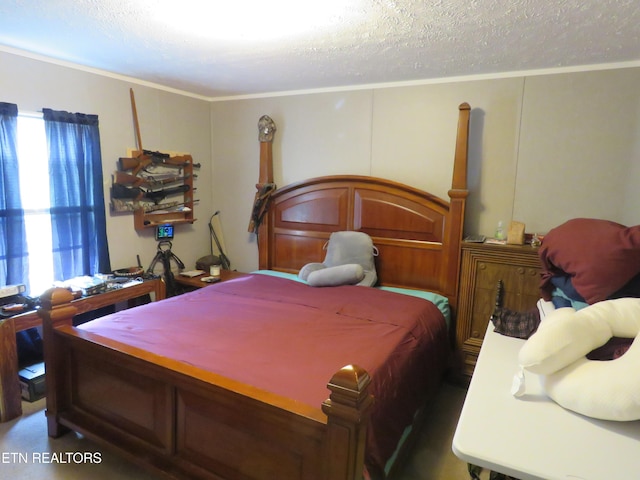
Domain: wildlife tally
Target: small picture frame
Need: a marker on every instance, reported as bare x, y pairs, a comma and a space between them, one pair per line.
515, 235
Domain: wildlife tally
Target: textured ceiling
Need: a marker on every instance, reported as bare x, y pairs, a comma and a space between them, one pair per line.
237, 47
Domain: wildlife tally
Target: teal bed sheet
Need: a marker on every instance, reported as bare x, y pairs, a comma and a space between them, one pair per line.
438, 300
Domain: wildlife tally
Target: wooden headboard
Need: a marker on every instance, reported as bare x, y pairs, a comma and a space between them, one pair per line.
417, 234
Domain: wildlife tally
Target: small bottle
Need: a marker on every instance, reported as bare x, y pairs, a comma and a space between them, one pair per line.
499, 235
535, 240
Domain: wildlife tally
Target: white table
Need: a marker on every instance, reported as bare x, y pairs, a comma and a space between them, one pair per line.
532, 437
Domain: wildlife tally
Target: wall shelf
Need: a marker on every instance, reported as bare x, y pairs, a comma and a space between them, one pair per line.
150, 219
138, 183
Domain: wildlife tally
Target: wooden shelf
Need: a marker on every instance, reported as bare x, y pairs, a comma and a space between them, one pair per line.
143, 219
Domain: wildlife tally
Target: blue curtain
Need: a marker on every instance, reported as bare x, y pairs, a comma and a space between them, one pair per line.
77, 195
14, 265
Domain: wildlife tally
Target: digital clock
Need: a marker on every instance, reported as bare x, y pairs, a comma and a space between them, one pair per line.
164, 232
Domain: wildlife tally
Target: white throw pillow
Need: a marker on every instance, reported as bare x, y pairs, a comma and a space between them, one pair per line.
608, 390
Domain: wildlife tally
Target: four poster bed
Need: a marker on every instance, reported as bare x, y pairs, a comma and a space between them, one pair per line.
230, 381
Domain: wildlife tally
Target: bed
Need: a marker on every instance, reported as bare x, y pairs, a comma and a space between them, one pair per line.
322, 401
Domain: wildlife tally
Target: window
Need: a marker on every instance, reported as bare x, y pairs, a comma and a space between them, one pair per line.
34, 188
52, 209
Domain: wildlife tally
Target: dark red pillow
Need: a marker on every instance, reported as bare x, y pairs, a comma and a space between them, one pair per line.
600, 256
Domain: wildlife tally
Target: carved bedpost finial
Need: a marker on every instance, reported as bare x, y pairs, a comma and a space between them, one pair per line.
347, 411
266, 129
350, 387
56, 305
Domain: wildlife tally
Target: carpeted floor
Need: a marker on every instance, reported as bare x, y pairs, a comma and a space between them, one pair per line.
27, 453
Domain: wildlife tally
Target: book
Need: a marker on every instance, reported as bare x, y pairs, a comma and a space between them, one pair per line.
475, 238
192, 273
495, 241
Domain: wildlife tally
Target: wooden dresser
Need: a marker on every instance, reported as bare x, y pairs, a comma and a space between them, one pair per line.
482, 266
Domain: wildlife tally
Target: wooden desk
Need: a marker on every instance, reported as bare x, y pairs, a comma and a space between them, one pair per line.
533, 438
10, 395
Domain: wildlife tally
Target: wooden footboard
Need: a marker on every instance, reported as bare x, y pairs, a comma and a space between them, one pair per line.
191, 423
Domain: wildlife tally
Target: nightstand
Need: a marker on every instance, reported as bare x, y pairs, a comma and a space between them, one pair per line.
482, 266
191, 283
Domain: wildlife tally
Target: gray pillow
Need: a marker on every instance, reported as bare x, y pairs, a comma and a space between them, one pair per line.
346, 248
308, 269
348, 274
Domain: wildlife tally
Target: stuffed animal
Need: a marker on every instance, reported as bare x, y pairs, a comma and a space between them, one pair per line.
607, 390
349, 261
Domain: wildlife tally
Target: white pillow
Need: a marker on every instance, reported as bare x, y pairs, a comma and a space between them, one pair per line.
544, 308
568, 334
561, 339
608, 390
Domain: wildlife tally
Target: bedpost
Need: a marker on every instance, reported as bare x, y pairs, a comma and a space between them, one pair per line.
10, 399
458, 197
459, 181
265, 185
56, 311
347, 410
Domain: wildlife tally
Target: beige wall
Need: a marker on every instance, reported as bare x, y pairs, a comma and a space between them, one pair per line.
167, 122
579, 148
542, 148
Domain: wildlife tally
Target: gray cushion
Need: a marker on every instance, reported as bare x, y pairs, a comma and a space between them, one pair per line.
348, 274
346, 248
310, 268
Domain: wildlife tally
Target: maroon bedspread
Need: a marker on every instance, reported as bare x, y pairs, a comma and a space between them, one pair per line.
262, 329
